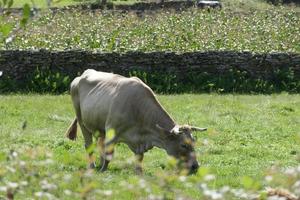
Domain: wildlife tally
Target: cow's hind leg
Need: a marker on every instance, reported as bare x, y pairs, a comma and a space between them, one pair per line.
88, 141
87, 135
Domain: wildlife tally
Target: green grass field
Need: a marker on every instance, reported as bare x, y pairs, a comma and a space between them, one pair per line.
247, 136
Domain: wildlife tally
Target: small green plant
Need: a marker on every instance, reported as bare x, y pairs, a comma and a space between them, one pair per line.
6, 26
45, 81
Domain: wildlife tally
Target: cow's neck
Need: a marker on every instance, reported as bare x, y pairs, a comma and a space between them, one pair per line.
153, 117
162, 118
165, 121
158, 138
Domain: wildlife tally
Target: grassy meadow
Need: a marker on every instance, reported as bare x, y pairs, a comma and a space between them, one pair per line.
251, 140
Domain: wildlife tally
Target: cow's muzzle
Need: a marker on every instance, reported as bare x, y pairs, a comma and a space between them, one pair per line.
192, 164
194, 167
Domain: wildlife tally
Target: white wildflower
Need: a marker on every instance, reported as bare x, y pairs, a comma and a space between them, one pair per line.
269, 178
225, 189
189, 185
209, 177
89, 173
152, 197
276, 198
244, 196
97, 191
67, 192
109, 157
48, 161
130, 186
39, 194
203, 186
297, 184
49, 154
55, 176
23, 183
12, 170
213, 194
45, 185
290, 171
67, 177
3, 189
182, 178
44, 194
12, 185
107, 192
8, 40
216, 195
148, 190
142, 183
296, 187
205, 142
14, 154
237, 192
22, 163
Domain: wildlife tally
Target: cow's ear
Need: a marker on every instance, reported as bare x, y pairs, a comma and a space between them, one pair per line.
194, 128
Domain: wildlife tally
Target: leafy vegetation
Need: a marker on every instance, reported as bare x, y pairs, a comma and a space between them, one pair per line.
193, 30
46, 3
252, 142
233, 81
6, 25
262, 5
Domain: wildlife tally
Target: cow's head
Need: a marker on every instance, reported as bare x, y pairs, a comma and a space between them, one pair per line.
180, 144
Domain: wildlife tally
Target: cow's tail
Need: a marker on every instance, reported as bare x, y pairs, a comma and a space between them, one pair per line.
72, 130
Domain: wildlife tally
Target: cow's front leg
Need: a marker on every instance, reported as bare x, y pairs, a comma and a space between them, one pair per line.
138, 166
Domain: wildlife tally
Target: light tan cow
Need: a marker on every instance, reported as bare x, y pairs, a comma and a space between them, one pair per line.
106, 101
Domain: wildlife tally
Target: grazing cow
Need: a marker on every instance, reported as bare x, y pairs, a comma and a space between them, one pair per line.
106, 101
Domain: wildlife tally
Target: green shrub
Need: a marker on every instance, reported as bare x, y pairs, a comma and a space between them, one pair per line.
45, 81
232, 81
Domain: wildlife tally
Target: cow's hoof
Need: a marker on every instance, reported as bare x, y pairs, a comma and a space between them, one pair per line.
138, 170
102, 169
92, 165
103, 166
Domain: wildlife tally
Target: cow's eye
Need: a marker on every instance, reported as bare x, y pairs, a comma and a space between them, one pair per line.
184, 146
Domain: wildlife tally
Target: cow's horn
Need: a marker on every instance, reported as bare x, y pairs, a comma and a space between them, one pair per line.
176, 130
193, 128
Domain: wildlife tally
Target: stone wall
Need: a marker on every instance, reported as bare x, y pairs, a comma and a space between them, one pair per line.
19, 65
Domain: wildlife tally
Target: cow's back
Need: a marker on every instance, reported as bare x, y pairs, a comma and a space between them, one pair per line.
94, 92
